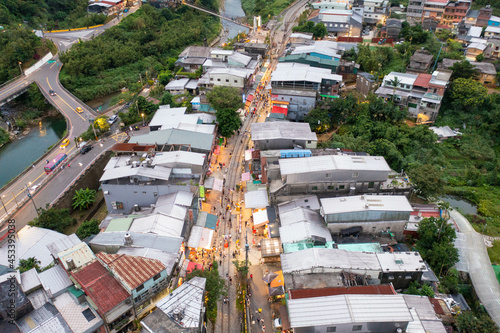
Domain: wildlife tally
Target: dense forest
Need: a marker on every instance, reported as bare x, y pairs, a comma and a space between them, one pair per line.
48, 14
141, 44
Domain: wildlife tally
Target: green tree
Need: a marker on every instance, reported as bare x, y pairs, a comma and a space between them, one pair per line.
4, 136
464, 69
168, 99
241, 267
27, 264
319, 31
53, 219
436, 244
449, 282
319, 120
83, 198
468, 322
480, 57
101, 124
88, 228
214, 287
427, 179
416, 289
394, 83
467, 93
226, 101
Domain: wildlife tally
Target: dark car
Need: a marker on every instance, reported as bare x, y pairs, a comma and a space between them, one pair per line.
52, 92
86, 149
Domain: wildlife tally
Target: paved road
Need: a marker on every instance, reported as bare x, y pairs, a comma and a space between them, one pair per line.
47, 78
480, 269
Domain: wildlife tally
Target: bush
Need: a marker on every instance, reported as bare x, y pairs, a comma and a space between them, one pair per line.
53, 219
88, 228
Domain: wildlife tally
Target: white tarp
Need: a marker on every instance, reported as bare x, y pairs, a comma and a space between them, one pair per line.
217, 185
195, 237
248, 154
260, 218
206, 238
256, 199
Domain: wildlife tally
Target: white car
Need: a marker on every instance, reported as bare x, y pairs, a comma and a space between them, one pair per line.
34, 188
112, 119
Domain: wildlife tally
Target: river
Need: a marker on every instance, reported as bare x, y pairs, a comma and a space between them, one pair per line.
232, 9
21, 153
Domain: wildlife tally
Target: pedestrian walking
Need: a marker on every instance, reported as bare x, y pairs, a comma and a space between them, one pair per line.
251, 276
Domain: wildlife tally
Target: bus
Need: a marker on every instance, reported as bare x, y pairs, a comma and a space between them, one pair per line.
54, 163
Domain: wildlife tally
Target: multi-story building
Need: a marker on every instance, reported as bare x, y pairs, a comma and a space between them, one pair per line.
375, 11
491, 32
420, 62
484, 16
283, 135
493, 49
342, 23
415, 11
486, 71
433, 12
455, 12
365, 83
370, 214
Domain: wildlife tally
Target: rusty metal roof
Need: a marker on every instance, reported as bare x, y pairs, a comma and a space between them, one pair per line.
132, 271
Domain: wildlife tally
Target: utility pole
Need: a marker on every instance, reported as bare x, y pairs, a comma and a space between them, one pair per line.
33, 201
6, 212
93, 128
247, 248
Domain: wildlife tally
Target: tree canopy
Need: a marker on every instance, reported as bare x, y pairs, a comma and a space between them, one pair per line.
226, 101
53, 219
469, 322
318, 30
88, 228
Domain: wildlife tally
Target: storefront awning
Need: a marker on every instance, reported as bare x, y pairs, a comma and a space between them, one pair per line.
248, 154
260, 218
194, 238
206, 239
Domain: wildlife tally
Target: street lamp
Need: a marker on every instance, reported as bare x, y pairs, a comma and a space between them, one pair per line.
31, 197
20, 68
1, 199
142, 115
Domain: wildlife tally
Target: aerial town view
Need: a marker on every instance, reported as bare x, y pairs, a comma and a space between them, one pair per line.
248, 166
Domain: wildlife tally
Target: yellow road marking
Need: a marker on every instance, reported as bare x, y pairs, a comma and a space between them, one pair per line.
71, 108
49, 84
53, 65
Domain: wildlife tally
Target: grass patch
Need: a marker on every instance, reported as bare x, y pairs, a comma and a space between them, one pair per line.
494, 254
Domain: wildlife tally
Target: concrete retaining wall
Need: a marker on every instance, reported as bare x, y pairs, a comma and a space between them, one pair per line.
38, 64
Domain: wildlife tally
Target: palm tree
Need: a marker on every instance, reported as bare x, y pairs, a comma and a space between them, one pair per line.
83, 198
27, 264
394, 83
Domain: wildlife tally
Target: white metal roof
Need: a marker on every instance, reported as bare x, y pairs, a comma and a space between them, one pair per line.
260, 217
199, 128
403, 78
282, 130
475, 31
479, 46
167, 117
256, 199
300, 231
240, 58
310, 202
159, 224
195, 236
179, 84
188, 299
55, 279
291, 166
492, 29
361, 203
328, 258
239, 72
345, 309
401, 261
158, 172
32, 242
301, 35
174, 158
443, 131
30, 280
206, 238
174, 204
300, 214
222, 52
290, 71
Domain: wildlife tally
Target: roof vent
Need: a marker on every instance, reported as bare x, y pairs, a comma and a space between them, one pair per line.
128, 162
70, 263
128, 239
137, 208
134, 164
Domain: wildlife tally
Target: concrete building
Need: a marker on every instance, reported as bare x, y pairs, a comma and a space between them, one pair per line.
332, 4
433, 12
298, 102
252, 48
392, 28
166, 118
177, 139
415, 11
112, 302
301, 37
181, 311
487, 71
494, 21
342, 23
141, 277
282, 135
371, 214
492, 50
492, 32
484, 16
455, 12
230, 77
328, 174
375, 11
365, 83
323, 49
128, 184
420, 62
475, 49
193, 57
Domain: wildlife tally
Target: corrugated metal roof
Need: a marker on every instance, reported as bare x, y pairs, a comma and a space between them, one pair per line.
239, 58
291, 166
174, 136
157, 172
198, 128
188, 299
280, 130
345, 309
55, 279
380, 289
30, 280
362, 203
163, 243
195, 236
239, 72
72, 312
132, 271
38, 298
300, 214
81, 255
310, 202
63, 244
174, 158
32, 242
46, 319
256, 199
179, 84
159, 224
167, 258
300, 231
328, 258
286, 71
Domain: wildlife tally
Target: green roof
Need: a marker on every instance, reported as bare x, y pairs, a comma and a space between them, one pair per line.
329, 96
206, 108
361, 247
120, 224
76, 292
311, 60
211, 221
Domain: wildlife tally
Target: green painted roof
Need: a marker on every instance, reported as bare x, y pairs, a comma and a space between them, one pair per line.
76, 292
211, 221
120, 224
311, 60
206, 108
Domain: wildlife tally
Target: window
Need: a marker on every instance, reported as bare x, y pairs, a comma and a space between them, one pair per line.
391, 277
371, 185
331, 329
218, 80
357, 328
355, 174
328, 175
341, 187
211, 79
139, 288
331, 187
144, 193
314, 188
227, 80
235, 81
135, 192
157, 276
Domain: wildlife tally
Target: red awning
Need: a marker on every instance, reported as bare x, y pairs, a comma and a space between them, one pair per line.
250, 98
279, 109
217, 150
192, 266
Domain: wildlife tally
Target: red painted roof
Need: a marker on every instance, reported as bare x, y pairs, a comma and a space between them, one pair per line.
279, 109
250, 98
130, 147
104, 290
425, 214
423, 80
382, 289
131, 270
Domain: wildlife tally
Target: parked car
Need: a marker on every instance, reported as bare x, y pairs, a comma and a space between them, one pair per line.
86, 149
64, 143
112, 119
52, 92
